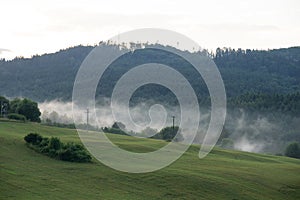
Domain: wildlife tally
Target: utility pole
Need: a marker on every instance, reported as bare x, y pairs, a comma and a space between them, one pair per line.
1, 106
87, 119
173, 123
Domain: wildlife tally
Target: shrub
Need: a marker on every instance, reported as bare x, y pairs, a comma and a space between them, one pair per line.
55, 143
33, 138
54, 148
16, 117
74, 153
293, 150
44, 145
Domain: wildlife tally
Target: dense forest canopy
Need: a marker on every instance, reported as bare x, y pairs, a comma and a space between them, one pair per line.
256, 79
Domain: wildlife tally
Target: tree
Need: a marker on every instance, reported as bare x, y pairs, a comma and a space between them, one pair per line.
168, 134
53, 116
293, 150
4, 106
119, 125
14, 105
148, 132
3, 100
224, 134
27, 108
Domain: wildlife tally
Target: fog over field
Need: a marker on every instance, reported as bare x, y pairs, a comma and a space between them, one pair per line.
252, 133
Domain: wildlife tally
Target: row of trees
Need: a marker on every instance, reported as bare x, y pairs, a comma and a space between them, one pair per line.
20, 109
167, 133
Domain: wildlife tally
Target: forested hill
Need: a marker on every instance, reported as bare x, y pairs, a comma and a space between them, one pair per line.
51, 76
44, 77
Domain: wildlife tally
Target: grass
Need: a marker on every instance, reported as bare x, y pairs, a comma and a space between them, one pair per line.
223, 174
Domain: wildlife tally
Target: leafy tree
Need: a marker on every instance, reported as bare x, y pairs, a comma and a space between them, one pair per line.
4, 106
148, 132
27, 108
30, 110
293, 150
4, 100
119, 125
168, 134
53, 116
14, 105
224, 134
117, 128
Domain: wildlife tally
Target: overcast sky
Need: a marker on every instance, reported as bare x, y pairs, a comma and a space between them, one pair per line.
36, 26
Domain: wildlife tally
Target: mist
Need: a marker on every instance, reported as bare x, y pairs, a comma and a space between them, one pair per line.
155, 116
251, 132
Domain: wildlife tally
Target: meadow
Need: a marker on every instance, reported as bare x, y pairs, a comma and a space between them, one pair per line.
223, 174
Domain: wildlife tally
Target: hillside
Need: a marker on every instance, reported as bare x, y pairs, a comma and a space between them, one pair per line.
223, 174
51, 76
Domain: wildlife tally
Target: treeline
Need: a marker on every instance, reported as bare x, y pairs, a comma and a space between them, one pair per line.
167, 133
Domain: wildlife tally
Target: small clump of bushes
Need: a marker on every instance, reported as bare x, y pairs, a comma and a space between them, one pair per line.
54, 148
16, 116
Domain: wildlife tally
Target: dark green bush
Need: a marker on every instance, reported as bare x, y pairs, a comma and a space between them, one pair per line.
33, 138
74, 153
16, 117
55, 143
54, 148
44, 145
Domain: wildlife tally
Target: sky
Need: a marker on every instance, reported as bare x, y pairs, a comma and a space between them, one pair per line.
30, 27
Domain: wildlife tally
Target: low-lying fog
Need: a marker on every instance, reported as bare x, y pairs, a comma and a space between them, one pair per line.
248, 132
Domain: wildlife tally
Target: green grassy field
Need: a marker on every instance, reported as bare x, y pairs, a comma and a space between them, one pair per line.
223, 174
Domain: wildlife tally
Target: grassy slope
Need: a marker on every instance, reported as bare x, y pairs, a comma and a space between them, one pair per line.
223, 174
